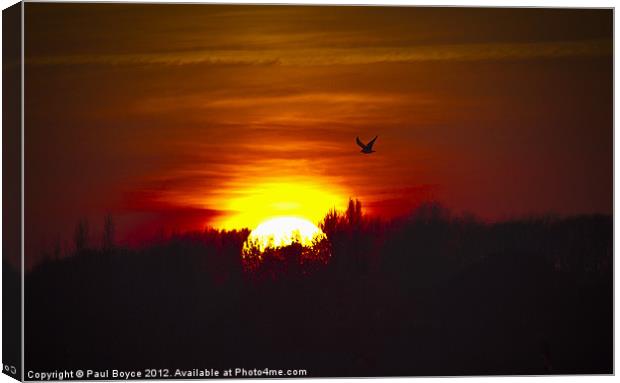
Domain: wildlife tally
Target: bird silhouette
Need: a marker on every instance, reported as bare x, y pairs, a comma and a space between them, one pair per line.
366, 148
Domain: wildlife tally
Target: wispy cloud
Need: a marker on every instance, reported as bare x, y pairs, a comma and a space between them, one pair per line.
342, 56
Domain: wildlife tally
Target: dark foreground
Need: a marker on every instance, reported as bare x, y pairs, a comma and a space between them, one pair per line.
427, 295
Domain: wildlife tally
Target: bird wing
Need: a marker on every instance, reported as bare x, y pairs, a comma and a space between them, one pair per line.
360, 143
371, 143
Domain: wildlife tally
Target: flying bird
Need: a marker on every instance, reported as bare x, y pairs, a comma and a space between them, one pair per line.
366, 148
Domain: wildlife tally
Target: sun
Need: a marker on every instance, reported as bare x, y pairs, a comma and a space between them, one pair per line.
285, 243
283, 231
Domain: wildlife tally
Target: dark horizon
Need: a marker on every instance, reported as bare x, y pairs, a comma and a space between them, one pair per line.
455, 296
66, 247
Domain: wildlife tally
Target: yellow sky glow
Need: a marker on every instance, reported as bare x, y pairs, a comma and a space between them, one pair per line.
249, 207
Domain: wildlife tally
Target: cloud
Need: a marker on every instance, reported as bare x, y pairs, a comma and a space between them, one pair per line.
342, 56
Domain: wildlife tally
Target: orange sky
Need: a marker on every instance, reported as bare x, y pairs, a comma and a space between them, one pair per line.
181, 116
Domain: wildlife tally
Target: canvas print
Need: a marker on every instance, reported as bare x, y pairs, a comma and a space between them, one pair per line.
239, 191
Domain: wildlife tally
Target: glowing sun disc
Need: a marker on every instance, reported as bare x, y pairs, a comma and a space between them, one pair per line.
283, 231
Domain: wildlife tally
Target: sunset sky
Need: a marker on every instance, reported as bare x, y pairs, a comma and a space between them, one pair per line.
186, 116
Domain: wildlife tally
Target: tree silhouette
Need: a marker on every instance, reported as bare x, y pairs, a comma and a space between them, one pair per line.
354, 212
57, 250
80, 236
108, 233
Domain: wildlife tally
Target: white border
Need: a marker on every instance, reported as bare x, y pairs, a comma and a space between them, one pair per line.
23, 71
